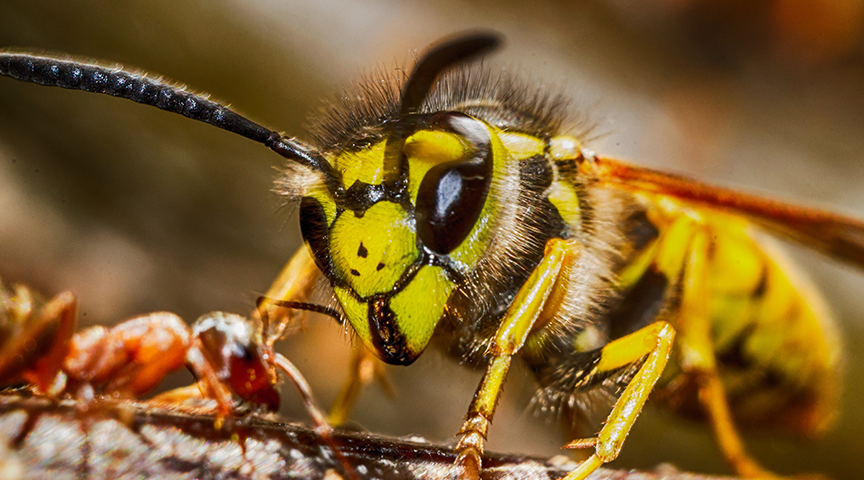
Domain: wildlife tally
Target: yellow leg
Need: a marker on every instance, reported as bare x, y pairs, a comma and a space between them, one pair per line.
655, 341
712, 396
697, 347
535, 301
698, 360
295, 282
365, 368
696, 344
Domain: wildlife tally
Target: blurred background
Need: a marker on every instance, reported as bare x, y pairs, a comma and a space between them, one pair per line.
137, 210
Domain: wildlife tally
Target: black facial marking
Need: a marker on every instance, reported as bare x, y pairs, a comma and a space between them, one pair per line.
361, 195
313, 226
388, 340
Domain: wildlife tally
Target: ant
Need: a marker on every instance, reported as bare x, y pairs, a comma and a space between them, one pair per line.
228, 354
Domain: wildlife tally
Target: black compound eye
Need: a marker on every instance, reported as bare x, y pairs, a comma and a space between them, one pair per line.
313, 227
242, 352
452, 195
450, 200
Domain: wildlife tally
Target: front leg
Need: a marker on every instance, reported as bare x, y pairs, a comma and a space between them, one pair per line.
653, 344
538, 298
296, 281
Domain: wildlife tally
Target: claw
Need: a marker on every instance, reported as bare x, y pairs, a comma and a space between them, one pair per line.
582, 443
468, 464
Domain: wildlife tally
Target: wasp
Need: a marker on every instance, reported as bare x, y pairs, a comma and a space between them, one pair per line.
449, 207
228, 354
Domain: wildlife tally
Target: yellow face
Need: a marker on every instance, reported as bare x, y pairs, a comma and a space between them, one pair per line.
393, 249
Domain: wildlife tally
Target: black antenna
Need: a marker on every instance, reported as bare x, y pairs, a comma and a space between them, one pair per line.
262, 303
443, 56
64, 72
309, 307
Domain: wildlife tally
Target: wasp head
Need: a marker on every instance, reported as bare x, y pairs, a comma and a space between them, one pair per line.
392, 222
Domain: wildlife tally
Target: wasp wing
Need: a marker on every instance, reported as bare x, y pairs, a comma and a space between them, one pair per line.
837, 235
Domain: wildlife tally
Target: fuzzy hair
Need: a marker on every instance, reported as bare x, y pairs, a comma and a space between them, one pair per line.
357, 117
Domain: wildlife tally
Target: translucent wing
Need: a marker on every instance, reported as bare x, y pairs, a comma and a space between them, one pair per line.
839, 236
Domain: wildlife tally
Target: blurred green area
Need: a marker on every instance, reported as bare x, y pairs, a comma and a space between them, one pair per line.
137, 210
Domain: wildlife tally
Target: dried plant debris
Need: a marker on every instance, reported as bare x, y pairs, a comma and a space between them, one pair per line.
40, 438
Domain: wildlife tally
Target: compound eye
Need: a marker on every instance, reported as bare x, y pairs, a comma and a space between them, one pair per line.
313, 227
452, 194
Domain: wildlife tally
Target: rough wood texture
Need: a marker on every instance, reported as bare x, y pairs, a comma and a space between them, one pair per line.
43, 439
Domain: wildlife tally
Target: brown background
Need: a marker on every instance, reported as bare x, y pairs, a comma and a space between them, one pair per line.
138, 210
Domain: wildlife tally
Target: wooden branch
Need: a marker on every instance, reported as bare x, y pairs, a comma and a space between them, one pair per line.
40, 438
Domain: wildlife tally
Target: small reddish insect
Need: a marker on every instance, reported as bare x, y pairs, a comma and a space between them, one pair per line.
228, 354
33, 335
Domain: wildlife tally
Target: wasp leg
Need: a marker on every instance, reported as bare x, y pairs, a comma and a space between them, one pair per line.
533, 301
685, 256
295, 282
365, 368
698, 359
655, 341
712, 396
